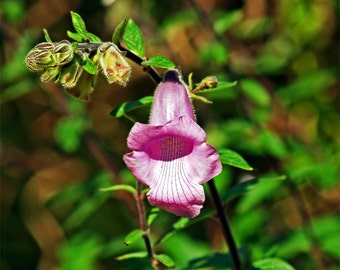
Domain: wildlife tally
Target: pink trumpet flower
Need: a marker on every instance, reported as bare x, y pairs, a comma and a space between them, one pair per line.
170, 154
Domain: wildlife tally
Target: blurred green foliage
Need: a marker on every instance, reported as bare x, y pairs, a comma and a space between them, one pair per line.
281, 119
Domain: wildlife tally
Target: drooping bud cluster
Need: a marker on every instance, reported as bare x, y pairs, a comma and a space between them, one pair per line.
48, 57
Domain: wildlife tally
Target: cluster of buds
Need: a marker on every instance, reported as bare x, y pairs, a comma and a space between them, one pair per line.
48, 57
63, 62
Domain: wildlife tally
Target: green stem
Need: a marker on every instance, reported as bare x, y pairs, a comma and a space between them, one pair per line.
144, 227
225, 226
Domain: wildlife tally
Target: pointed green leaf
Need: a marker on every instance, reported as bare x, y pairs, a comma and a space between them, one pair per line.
119, 31
138, 254
47, 36
220, 87
183, 223
76, 36
152, 214
232, 158
122, 109
272, 263
93, 37
120, 187
165, 259
133, 236
79, 25
133, 38
255, 92
90, 67
159, 61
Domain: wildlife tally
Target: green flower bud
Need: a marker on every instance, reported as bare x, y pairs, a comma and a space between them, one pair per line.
114, 66
40, 57
63, 52
49, 74
46, 55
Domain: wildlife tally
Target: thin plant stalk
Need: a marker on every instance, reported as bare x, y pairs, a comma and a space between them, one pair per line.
144, 227
237, 265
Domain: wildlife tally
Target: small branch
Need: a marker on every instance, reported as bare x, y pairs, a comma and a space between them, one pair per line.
225, 226
92, 48
144, 227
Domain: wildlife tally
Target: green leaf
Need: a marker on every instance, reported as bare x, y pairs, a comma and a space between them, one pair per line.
76, 36
122, 109
68, 133
165, 259
250, 185
266, 189
47, 36
152, 214
133, 38
214, 53
90, 67
255, 92
119, 31
238, 190
272, 263
79, 25
272, 143
232, 158
220, 87
120, 187
138, 254
183, 223
85, 196
133, 236
159, 61
226, 20
93, 37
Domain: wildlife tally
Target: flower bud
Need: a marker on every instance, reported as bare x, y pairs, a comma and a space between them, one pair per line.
49, 74
40, 57
62, 52
70, 75
114, 66
46, 55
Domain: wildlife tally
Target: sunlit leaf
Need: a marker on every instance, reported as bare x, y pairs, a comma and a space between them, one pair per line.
133, 38
119, 31
165, 259
272, 263
211, 261
76, 36
86, 196
226, 20
255, 92
79, 25
159, 61
232, 158
90, 67
152, 215
47, 36
68, 132
88, 245
93, 37
129, 106
265, 188
138, 254
133, 236
183, 223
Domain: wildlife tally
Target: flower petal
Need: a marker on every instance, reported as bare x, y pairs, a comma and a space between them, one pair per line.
171, 100
173, 160
142, 134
